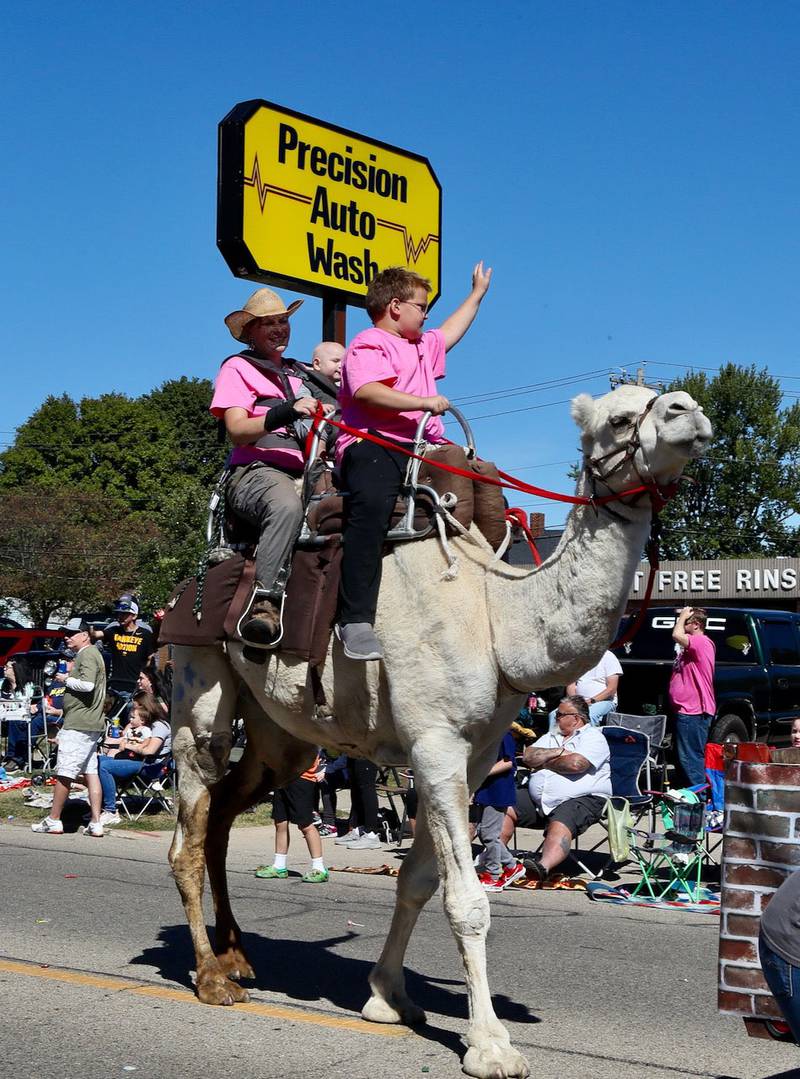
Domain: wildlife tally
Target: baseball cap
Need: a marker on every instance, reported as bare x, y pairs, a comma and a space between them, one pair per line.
126, 605
75, 625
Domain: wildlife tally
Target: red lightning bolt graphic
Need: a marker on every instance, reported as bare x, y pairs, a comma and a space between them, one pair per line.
263, 189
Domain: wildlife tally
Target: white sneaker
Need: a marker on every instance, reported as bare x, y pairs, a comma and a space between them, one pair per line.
368, 841
107, 817
48, 825
94, 829
350, 837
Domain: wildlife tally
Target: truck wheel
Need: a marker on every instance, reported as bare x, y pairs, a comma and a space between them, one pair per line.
729, 728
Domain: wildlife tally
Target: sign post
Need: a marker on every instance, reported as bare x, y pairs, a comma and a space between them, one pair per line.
308, 206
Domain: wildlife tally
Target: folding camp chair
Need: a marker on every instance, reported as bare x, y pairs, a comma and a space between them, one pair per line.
679, 853
155, 784
630, 761
715, 810
655, 727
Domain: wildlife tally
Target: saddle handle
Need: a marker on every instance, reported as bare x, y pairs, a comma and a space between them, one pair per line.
469, 449
405, 530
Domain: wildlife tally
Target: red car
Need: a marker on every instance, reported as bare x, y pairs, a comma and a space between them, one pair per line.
15, 638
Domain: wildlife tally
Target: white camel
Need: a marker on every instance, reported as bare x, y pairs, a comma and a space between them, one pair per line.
460, 654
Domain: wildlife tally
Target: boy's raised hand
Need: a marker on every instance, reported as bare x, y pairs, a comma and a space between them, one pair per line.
481, 280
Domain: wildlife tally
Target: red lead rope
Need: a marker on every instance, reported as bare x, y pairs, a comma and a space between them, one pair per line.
510, 482
516, 515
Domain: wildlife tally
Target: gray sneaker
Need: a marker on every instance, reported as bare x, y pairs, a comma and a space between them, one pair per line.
348, 837
359, 641
368, 841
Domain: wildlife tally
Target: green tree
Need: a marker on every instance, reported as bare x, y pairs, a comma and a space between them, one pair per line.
156, 457
69, 551
745, 496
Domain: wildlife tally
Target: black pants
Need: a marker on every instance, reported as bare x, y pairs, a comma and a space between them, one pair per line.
327, 793
363, 796
372, 477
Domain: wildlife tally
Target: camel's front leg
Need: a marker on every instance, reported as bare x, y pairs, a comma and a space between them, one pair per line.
203, 702
271, 758
416, 883
440, 772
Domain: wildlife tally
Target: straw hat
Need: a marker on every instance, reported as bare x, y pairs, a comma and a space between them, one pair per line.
263, 302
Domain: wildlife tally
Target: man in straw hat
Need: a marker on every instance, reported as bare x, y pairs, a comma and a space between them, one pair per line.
259, 402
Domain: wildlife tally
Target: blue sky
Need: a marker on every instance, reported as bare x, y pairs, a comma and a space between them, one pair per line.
630, 170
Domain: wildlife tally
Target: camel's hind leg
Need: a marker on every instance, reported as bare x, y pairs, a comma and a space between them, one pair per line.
416, 883
203, 704
271, 758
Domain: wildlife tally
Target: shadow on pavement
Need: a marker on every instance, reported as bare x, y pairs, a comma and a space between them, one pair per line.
310, 972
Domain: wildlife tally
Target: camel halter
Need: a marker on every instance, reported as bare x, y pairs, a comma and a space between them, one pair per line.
660, 494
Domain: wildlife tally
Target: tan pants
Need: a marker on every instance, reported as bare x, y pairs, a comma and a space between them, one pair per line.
268, 499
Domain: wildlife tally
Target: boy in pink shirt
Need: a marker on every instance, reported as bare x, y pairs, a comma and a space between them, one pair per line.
388, 380
259, 403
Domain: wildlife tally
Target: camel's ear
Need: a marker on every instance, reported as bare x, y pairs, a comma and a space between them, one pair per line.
583, 410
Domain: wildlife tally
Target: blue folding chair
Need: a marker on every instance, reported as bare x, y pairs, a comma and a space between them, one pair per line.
630, 761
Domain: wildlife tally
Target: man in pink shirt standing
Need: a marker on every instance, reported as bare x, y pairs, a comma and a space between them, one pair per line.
388, 380
691, 691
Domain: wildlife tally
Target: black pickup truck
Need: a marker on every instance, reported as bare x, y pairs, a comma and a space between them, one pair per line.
757, 676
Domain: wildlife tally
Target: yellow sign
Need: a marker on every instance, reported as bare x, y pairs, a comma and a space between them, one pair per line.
315, 208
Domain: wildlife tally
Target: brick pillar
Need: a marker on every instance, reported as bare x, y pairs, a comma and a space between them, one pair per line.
761, 848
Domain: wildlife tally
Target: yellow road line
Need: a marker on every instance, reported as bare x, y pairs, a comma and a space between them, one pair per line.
272, 1011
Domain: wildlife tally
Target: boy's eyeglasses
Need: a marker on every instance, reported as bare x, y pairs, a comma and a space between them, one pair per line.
421, 307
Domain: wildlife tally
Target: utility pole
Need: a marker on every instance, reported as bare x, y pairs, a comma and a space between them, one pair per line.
624, 379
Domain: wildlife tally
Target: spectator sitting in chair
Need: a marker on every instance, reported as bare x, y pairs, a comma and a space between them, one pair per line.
134, 755
570, 781
599, 687
151, 680
16, 676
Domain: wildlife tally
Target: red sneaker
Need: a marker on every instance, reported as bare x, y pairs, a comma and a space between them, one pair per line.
490, 883
512, 872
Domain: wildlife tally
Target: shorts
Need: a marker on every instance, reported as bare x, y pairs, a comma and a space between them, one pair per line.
77, 753
295, 803
576, 814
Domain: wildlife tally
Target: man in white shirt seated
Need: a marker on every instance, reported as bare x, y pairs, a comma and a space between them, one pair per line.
570, 781
599, 687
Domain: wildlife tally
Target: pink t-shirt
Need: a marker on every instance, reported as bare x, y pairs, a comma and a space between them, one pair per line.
238, 385
691, 687
407, 366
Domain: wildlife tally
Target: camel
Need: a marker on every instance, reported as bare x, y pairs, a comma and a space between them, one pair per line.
460, 656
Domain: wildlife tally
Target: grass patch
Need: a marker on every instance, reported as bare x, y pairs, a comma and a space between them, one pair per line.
12, 805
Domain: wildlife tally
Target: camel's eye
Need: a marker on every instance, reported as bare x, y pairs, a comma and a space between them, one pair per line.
618, 422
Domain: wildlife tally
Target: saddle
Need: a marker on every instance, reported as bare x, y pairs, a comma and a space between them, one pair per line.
312, 587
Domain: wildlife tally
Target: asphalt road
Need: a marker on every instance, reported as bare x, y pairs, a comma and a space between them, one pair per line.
95, 982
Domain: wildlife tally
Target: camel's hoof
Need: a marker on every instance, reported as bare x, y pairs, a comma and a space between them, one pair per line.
378, 1010
234, 965
495, 1062
217, 989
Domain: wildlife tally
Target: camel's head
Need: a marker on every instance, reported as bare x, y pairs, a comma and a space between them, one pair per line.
632, 435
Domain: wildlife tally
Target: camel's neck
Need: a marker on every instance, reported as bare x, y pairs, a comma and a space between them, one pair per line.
554, 625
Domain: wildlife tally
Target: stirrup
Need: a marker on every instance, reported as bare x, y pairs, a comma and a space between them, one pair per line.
258, 594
